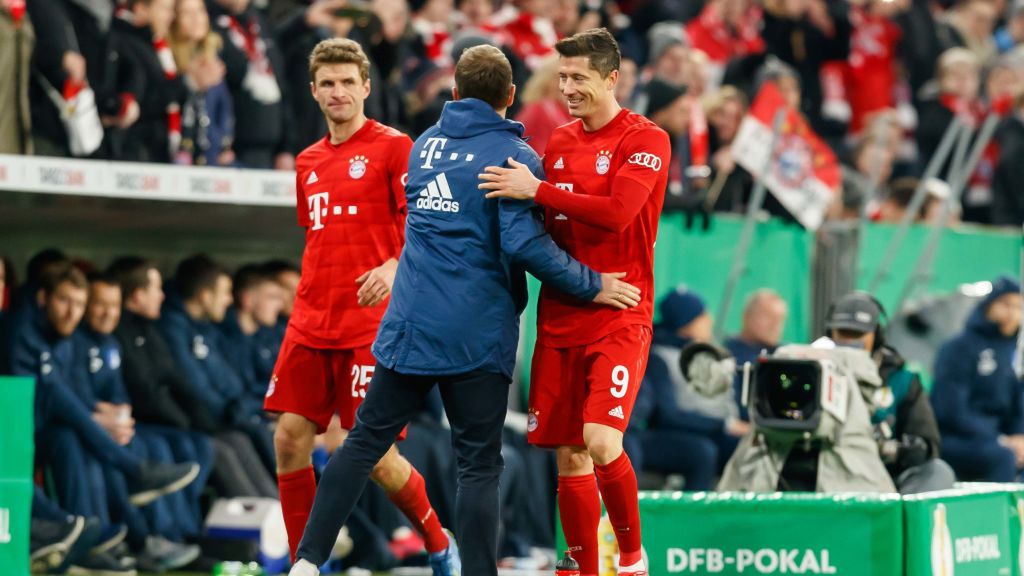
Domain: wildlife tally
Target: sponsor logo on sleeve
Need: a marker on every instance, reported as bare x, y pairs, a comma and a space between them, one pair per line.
646, 160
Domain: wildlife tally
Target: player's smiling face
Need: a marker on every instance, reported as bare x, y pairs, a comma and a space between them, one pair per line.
340, 91
583, 87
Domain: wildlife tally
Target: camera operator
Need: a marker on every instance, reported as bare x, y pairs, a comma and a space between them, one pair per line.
905, 427
689, 432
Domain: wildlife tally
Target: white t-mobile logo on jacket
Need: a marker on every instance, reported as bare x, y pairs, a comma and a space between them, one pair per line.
431, 152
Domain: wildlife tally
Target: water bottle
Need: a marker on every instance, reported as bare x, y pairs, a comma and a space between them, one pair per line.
238, 569
567, 566
227, 569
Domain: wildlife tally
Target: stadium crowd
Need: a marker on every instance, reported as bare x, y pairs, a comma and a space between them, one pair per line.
223, 83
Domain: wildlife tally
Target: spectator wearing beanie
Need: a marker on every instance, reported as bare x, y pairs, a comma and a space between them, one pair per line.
687, 433
669, 108
666, 53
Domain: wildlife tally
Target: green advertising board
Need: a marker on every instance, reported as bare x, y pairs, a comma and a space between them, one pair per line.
15, 516
1014, 500
17, 449
962, 532
730, 534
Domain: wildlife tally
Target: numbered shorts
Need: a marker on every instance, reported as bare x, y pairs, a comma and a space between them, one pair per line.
596, 383
319, 383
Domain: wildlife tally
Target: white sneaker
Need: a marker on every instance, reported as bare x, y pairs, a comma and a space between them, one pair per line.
304, 568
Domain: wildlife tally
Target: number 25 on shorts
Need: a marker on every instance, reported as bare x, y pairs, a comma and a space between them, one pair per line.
361, 376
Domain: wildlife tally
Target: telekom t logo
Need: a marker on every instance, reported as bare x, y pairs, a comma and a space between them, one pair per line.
317, 209
431, 152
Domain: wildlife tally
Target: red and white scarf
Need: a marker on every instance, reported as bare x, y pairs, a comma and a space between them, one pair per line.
259, 81
437, 39
166, 58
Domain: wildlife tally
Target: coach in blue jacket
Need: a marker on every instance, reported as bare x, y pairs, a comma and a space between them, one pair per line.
978, 400
453, 319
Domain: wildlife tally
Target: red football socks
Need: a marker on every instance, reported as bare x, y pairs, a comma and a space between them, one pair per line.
579, 507
618, 489
413, 502
297, 489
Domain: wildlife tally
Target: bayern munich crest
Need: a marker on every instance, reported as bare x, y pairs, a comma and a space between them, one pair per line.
794, 161
532, 422
357, 167
604, 162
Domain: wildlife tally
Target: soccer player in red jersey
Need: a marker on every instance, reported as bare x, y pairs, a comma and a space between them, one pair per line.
606, 176
350, 188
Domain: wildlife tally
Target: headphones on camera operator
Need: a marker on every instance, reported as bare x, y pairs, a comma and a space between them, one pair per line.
849, 307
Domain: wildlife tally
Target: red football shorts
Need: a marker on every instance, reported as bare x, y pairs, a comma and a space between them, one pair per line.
595, 383
318, 383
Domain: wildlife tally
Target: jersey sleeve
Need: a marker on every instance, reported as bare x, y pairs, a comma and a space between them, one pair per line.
301, 206
525, 242
646, 154
398, 171
398, 174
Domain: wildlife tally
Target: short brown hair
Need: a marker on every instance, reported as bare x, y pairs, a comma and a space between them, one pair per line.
338, 51
132, 273
59, 274
598, 44
483, 72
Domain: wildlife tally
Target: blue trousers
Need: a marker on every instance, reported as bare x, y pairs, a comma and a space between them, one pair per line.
698, 457
85, 486
975, 459
476, 403
44, 509
59, 406
166, 444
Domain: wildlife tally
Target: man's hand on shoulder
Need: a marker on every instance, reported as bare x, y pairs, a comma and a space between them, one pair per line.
376, 283
516, 182
616, 293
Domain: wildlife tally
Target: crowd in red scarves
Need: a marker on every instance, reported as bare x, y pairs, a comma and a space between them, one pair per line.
884, 77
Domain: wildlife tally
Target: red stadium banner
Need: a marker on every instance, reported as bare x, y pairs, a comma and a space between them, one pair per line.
803, 171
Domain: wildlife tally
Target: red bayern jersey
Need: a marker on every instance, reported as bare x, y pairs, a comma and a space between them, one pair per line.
351, 199
871, 73
602, 200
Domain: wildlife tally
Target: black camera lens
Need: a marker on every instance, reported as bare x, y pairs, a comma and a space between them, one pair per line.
789, 391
